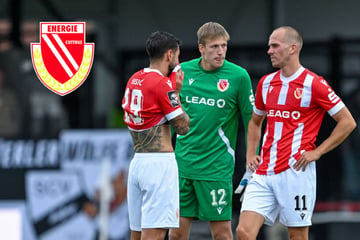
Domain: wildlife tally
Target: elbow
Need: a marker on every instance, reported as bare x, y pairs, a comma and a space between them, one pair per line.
350, 122
353, 125
350, 126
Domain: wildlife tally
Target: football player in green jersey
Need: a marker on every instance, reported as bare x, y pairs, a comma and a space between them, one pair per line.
215, 93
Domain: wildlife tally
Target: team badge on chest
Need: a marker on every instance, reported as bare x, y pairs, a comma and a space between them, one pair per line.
298, 93
223, 85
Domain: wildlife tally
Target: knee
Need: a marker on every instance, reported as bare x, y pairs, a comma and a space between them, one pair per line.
175, 234
242, 233
223, 235
298, 236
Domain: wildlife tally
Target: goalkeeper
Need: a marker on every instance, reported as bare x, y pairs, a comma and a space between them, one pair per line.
215, 93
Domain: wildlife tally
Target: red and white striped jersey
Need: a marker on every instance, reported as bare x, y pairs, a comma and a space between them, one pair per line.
149, 100
294, 107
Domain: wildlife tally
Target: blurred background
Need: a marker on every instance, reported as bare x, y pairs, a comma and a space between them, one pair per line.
52, 148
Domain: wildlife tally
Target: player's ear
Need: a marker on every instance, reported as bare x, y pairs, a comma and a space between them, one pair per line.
293, 48
201, 48
169, 55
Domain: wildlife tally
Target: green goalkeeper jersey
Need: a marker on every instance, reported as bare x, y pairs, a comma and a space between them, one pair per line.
214, 101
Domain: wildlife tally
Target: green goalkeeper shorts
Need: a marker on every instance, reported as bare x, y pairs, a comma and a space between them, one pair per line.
206, 200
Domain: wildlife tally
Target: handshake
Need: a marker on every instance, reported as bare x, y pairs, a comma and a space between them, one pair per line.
244, 181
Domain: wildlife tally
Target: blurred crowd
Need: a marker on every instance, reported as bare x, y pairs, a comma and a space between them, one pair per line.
27, 108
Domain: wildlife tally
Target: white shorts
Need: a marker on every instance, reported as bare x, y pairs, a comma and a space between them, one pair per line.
288, 196
153, 191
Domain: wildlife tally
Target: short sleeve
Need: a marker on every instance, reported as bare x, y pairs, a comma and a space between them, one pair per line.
326, 98
259, 106
168, 99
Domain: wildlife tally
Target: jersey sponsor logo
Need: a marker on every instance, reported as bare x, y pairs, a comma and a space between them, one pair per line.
62, 60
284, 114
191, 80
220, 103
173, 98
223, 85
298, 93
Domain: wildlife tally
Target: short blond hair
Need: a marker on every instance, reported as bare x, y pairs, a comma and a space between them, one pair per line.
211, 30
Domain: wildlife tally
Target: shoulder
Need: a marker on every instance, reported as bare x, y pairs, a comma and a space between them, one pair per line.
191, 64
317, 81
236, 73
314, 75
270, 76
234, 67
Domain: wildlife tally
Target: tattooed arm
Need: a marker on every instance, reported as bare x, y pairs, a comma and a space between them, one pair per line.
181, 124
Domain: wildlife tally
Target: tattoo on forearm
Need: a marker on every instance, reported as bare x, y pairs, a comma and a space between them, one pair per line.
181, 124
147, 140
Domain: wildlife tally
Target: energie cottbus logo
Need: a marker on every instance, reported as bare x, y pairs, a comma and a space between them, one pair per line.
62, 60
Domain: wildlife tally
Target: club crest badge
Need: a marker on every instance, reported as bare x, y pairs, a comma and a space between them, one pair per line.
62, 60
298, 93
223, 85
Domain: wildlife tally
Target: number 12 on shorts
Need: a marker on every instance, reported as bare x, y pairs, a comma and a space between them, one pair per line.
215, 194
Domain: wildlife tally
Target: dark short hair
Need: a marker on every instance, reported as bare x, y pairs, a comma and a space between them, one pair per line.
159, 42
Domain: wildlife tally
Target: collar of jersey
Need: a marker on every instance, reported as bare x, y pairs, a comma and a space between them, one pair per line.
152, 70
292, 77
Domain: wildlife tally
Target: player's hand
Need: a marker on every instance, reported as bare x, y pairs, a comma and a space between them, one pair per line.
176, 76
306, 158
243, 183
253, 162
179, 78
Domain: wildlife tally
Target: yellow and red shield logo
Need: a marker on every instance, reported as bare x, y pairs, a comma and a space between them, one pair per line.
62, 60
298, 93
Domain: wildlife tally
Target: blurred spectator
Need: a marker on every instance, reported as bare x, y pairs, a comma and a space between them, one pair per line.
29, 33
5, 28
11, 114
29, 109
47, 115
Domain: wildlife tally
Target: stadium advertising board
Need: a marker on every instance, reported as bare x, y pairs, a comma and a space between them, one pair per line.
57, 186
